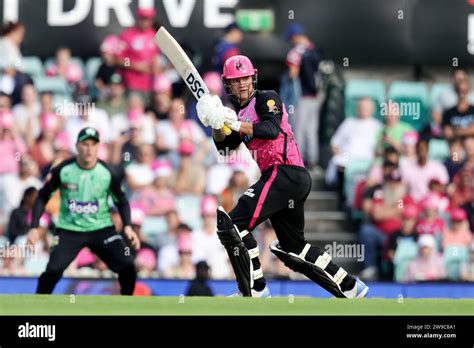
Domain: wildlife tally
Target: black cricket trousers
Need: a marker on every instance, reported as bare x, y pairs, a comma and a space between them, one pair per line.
278, 195
105, 243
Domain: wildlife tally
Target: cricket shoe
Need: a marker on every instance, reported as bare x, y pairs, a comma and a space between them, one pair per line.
359, 290
265, 293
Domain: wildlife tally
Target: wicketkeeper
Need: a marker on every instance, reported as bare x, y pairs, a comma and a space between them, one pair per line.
85, 184
261, 123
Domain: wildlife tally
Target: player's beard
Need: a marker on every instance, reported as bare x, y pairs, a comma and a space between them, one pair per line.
248, 94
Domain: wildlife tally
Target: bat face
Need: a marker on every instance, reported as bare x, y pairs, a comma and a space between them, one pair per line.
183, 65
195, 84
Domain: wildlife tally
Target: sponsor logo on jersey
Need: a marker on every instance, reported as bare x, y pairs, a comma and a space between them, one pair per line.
85, 208
250, 193
70, 186
272, 106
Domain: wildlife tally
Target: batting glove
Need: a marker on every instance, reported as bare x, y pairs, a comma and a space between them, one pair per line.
216, 118
231, 119
205, 105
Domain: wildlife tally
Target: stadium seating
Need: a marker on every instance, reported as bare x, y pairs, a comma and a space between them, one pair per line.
189, 210
414, 93
353, 173
406, 251
438, 149
152, 227
33, 66
356, 89
436, 90
50, 61
454, 256
91, 68
56, 85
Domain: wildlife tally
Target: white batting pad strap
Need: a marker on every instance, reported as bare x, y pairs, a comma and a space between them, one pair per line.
323, 260
254, 253
339, 276
257, 274
243, 233
305, 251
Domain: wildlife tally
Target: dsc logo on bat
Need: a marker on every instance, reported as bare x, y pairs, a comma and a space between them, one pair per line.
194, 84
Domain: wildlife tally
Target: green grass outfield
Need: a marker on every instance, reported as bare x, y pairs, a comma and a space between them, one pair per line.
117, 305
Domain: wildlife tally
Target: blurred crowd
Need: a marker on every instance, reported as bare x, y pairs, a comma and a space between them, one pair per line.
415, 211
150, 132
415, 203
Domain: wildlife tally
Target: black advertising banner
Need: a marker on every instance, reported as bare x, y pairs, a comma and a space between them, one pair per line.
367, 32
172, 331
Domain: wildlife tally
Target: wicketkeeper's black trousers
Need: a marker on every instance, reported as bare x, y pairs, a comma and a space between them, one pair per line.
105, 243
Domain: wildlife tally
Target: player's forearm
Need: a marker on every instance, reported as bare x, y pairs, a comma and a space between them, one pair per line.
123, 208
246, 128
43, 197
37, 211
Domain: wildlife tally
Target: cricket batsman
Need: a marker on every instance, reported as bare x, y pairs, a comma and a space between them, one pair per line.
85, 184
261, 123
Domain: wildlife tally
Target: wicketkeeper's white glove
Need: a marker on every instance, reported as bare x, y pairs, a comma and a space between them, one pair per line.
205, 105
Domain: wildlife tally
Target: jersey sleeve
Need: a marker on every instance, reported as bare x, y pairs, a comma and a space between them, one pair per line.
53, 182
119, 198
269, 108
230, 143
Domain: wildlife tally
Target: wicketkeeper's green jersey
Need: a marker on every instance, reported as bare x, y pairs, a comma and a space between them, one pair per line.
84, 196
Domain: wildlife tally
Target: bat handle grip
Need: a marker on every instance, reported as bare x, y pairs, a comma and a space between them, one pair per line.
226, 130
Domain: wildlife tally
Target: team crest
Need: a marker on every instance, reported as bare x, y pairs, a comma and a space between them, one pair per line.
70, 187
238, 65
272, 107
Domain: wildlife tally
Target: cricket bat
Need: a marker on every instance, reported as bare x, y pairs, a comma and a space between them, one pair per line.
183, 65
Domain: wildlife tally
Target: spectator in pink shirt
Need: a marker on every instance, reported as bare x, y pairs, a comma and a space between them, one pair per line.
139, 173
12, 148
418, 174
42, 151
458, 234
108, 49
65, 67
431, 223
11, 144
429, 264
376, 172
26, 114
158, 199
178, 132
161, 97
408, 148
138, 53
